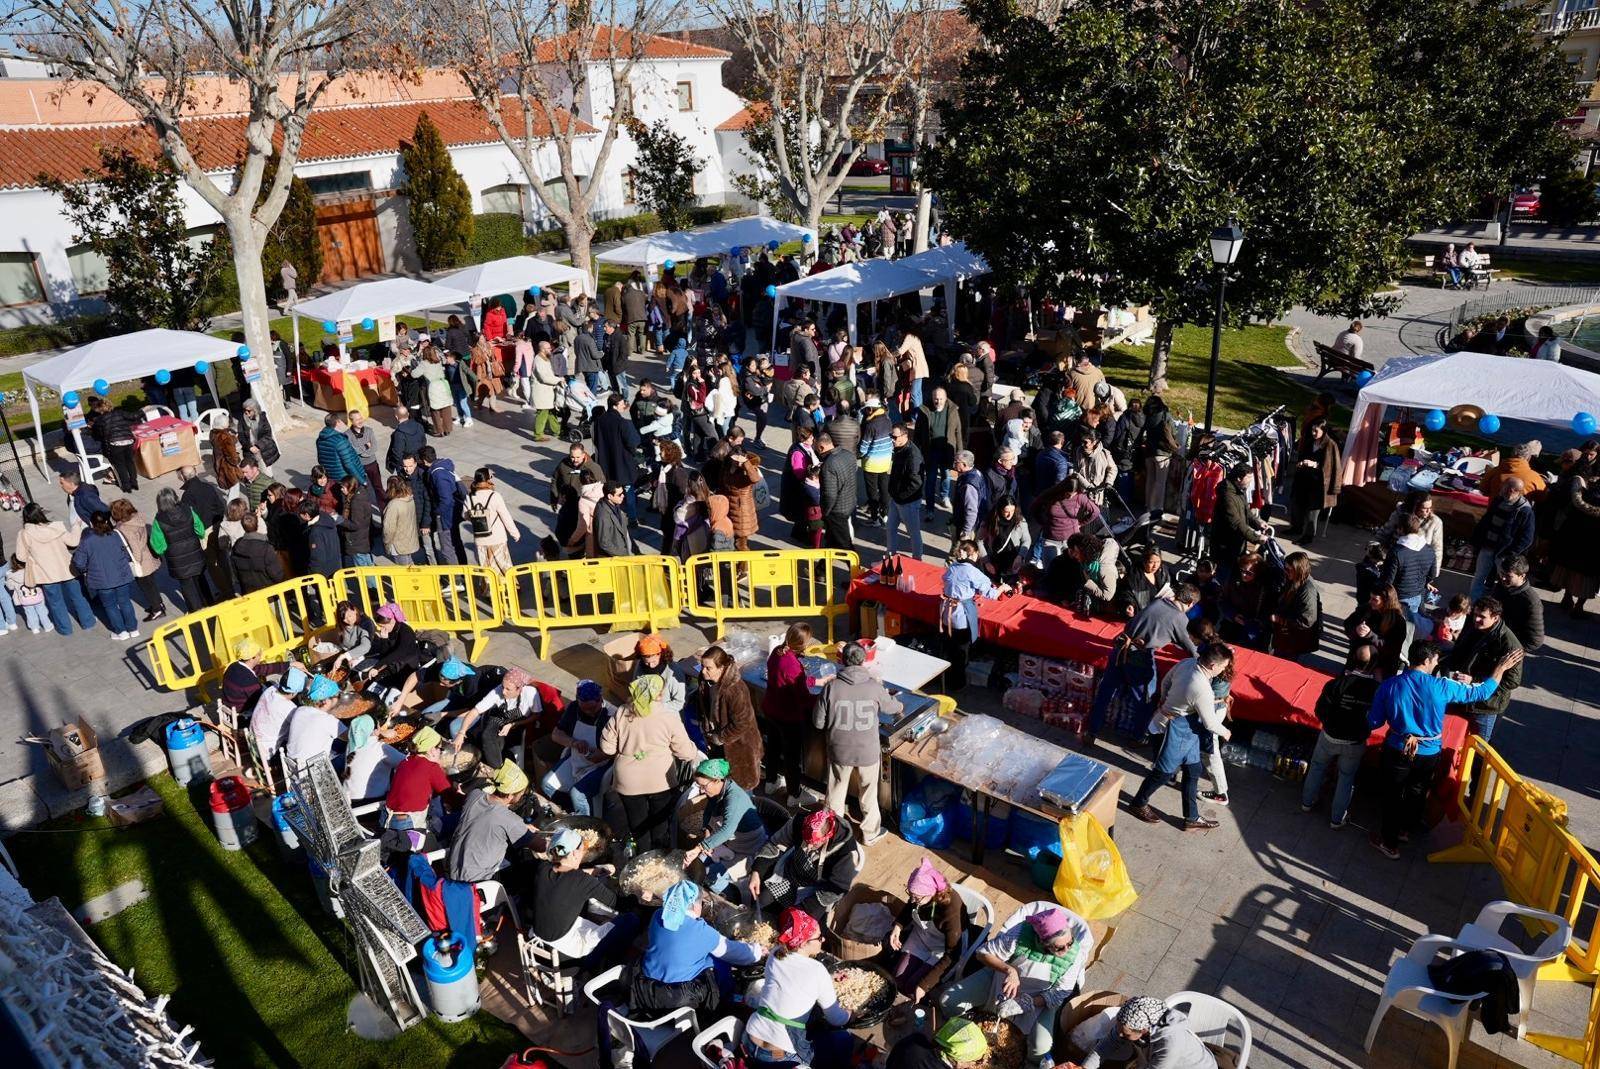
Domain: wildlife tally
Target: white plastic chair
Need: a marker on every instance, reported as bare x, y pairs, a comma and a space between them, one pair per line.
1473, 465
1484, 934
210, 420
1409, 987
154, 412
729, 1030
1216, 1022
981, 912
648, 1036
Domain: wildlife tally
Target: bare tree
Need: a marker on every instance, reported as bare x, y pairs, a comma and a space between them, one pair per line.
173, 59
829, 72
535, 67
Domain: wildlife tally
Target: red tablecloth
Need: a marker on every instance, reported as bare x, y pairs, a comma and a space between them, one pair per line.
1266, 689
144, 432
368, 376
1470, 497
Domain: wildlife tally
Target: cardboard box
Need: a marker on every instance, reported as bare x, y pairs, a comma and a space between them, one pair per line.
1080, 1010
74, 752
849, 949
136, 808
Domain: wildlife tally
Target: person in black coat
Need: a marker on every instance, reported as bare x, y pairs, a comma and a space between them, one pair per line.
616, 447
323, 555
355, 534
113, 428
412, 471
255, 437
185, 556
408, 437
586, 359
255, 563
616, 351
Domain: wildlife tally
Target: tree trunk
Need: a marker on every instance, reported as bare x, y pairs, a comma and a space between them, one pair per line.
1160, 353
813, 215
580, 239
919, 240
268, 391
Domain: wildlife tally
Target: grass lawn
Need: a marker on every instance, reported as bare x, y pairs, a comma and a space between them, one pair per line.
239, 942
1248, 382
1554, 272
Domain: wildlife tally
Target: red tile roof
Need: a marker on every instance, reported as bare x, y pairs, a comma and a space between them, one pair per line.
332, 133
615, 38
745, 118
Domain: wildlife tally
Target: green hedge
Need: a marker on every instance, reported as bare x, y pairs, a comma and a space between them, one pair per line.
17, 341
497, 235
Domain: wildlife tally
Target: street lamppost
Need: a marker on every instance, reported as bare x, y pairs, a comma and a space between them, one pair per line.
1225, 244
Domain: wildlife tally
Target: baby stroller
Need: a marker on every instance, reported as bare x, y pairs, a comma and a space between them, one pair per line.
578, 416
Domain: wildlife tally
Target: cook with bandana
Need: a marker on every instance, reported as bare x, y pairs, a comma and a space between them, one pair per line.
686, 962
793, 990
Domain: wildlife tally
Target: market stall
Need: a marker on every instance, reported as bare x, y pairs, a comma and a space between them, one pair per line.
515, 275
687, 245
165, 444
374, 305
867, 281
330, 388
125, 358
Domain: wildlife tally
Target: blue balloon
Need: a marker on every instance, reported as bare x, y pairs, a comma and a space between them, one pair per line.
805, 239
773, 244
244, 352
1434, 420
201, 367
736, 250
369, 323
1583, 423
668, 264
102, 387
163, 376
772, 291
1488, 423
1363, 378
70, 398
329, 327
535, 290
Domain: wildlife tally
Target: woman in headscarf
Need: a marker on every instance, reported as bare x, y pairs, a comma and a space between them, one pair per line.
653, 657
686, 961
1033, 966
499, 714
646, 740
562, 892
957, 1043
927, 935
1154, 1034
793, 985
728, 716
812, 858
581, 771
734, 831
395, 651
369, 761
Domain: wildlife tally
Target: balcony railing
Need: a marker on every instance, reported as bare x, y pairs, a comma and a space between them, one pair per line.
1569, 21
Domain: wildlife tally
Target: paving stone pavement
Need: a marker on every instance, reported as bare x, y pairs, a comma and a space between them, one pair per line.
1292, 921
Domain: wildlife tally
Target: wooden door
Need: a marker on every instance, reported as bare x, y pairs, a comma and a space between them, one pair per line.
348, 233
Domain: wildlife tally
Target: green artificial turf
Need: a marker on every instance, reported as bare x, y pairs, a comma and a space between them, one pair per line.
1249, 383
239, 942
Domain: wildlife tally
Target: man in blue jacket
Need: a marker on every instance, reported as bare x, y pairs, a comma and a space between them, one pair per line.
407, 439
445, 500
1412, 705
335, 453
85, 499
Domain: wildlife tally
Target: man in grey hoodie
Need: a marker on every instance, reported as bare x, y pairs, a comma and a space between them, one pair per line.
848, 711
1146, 1026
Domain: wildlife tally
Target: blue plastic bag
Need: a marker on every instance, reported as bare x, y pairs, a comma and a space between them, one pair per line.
925, 813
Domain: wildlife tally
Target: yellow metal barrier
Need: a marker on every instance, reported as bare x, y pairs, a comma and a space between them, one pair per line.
1521, 831
1585, 1049
194, 650
461, 598
779, 584
629, 592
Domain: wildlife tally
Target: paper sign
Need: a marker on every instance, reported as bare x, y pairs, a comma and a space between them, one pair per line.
386, 328
347, 332
74, 416
251, 368
170, 446
475, 302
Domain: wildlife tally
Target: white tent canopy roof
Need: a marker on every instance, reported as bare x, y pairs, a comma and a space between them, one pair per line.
711, 241
949, 261
1541, 391
514, 274
386, 297
859, 282
128, 357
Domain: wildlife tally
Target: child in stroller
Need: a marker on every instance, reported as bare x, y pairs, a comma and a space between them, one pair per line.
579, 413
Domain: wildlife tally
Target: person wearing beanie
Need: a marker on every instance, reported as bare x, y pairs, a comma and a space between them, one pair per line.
415, 787
313, 729
244, 679
1033, 966
734, 831
1148, 1030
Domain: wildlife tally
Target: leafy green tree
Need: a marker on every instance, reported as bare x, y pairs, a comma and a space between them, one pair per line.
1567, 199
440, 204
1092, 155
129, 213
663, 172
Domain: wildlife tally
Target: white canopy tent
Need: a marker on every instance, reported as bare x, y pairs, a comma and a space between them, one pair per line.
865, 281
514, 274
121, 359
1539, 391
711, 241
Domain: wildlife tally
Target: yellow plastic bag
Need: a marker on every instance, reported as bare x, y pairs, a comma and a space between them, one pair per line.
1092, 880
355, 398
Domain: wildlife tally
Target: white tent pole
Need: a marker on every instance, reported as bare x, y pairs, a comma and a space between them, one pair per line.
850, 319
83, 461
38, 425
211, 384
777, 306
950, 307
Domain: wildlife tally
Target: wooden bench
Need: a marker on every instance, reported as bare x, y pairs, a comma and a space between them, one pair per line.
1334, 361
1431, 265
1482, 273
